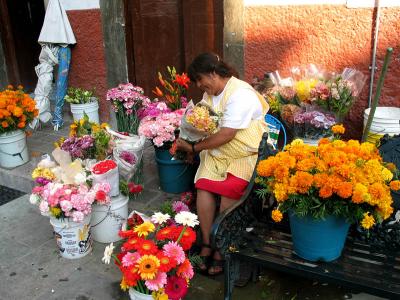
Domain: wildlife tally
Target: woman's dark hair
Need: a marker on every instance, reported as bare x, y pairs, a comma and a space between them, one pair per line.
207, 63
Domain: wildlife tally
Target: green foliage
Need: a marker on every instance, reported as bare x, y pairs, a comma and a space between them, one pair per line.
79, 96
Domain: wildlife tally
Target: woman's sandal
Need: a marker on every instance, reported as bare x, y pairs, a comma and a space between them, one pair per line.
216, 267
206, 261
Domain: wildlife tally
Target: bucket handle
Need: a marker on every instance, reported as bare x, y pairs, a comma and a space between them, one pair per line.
15, 154
110, 214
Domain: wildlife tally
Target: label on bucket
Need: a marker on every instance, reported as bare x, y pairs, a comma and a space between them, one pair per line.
74, 242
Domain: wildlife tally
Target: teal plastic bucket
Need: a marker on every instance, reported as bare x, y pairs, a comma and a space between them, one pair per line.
318, 239
175, 176
162, 154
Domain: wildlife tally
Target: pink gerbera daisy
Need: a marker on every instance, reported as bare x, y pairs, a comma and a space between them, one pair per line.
174, 251
130, 258
158, 282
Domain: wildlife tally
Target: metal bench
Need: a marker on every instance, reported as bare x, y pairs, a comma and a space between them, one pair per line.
244, 234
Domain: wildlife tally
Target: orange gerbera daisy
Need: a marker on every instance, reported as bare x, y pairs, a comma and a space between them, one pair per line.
148, 266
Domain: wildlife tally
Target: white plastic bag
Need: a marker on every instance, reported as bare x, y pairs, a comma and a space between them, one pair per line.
133, 145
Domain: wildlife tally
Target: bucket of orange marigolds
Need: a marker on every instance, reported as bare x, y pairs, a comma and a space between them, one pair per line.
17, 109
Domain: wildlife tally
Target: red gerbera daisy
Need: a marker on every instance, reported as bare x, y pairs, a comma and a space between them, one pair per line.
132, 244
131, 275
166, 263
166, 233
119, 258
127, 233
187, 239
176, 288
147, 247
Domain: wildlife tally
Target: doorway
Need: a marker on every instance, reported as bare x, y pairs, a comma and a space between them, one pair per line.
161, 33
20, 25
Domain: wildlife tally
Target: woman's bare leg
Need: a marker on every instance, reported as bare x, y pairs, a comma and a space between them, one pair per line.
225, 204
206, 211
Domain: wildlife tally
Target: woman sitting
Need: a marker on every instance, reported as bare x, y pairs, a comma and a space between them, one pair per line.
228, 157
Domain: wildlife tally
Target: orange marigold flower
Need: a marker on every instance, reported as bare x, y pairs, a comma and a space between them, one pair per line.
344, 190
368, 221
325, 191
324, 141
264, 168
338, 129
395, 185
21, 125
276, 215
4, 124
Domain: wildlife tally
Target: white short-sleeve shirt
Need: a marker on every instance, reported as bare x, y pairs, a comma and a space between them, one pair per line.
241, 108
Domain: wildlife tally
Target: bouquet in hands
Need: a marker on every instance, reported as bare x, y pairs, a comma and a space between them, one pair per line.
198, 122
153, 259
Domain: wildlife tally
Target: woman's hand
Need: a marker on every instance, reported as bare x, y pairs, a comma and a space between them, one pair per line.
183, 146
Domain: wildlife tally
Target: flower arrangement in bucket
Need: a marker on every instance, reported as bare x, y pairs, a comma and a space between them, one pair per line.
311, 100
87, 140
336, 183
17, 109
126, 100
64, 194
83, 101
173, 90
154, 259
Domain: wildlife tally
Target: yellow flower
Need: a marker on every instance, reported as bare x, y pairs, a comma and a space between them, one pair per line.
123, 284
338, 129
387, 175
144, 229
55, 211
277, 215
36, 172
159, 295
148, 266
368, 221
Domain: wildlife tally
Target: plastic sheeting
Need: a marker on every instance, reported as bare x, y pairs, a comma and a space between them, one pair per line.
56, 32
64, 60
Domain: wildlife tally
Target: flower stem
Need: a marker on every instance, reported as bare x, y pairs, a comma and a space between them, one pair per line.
182, 232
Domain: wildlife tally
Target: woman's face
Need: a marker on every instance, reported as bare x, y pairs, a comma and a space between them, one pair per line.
209, 83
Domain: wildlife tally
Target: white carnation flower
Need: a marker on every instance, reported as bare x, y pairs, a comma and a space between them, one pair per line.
34, 199
160, 218
108, 251
186, 218
80, 178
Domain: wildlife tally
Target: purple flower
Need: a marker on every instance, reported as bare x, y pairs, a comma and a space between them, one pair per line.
179, 206
128, 157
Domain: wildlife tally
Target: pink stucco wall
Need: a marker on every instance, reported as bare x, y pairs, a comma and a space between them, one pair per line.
333, 37
88, 64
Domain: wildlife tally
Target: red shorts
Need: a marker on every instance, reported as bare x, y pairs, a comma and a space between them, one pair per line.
232, 187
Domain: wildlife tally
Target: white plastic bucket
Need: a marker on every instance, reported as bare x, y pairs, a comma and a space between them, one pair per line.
135, 295
13, 149
311, 142
74, 240
386, 121
107, 220
91, 109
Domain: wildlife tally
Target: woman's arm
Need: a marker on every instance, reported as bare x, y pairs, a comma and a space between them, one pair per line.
223, 136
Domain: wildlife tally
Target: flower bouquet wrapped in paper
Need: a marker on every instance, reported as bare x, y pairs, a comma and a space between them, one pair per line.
198, 122
311, 100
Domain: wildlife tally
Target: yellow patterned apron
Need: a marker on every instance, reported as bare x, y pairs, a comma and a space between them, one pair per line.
239, 156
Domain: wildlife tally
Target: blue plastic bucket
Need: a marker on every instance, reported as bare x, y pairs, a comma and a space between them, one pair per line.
162, 154
175, 176
318, 239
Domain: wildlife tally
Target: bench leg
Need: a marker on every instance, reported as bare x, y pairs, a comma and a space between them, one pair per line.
230, 275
